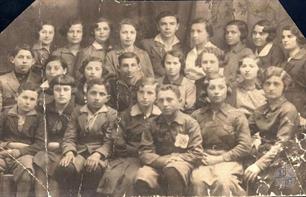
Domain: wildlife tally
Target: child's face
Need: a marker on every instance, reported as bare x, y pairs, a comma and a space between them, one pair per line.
23, 61
127, 35
289, 40
168, 26
172, 65
93, 70
102, 32
75, 34
46, 34
62, 94
210, 63
146, 95
232, 35
97, 96
217, 90
248, 69
26, 101
129, 67
273, 87
259, 36
53, 69
198, 34
168, 102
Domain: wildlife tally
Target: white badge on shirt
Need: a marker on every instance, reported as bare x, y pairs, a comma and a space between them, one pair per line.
181, 141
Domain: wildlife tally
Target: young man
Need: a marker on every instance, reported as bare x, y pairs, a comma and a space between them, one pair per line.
123, 88
169, 148
167, 25
21, 136
200, 33
22, 59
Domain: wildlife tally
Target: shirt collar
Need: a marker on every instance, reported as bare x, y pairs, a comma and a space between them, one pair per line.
160, 40
85, 109
97, 46
238, 48
13, 111
301, 54
177, 82
39, 46
68, 109
264, 51
277, 103
178, 119
135, 110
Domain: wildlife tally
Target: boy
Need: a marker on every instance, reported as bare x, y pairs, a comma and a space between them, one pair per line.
123, 88
87, 141
169, 148
200, 33
167, 25
21, 136
22, 58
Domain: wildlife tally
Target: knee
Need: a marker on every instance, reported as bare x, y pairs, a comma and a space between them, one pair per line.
98, 172
26, 178
62, 171
170, 173
196, 178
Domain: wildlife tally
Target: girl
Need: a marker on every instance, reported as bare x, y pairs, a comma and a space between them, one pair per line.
125, 162
127, 33
92, 68
174, 63
226, 140
236, 33
101, 31
246, 96
274, 125
58, 114
295, 66
73, 31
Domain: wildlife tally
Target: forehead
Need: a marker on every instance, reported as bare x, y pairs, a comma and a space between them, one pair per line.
28, 93
127, 27
24, 52
131, 60
147, 88
47, 27
206, 56
287, 32
61, 86
232, 28
248, 60
258, 28
197, 26
168, 19
76, 26
274, 79
97, 88
171, 57
54, 63
94, 64
163, 94
102, 24
215, 82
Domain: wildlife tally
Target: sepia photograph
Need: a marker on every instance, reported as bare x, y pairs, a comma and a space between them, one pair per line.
113, 98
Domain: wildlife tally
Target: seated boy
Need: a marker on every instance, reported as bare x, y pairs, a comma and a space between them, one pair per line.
21, 136
169, 148
22, 59
167, 25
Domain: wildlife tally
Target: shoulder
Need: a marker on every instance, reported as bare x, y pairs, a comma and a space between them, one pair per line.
6, 75
288, 107
147, 42
199, 113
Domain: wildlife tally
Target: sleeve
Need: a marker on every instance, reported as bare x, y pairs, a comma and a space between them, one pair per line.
243, 146
148, 68
111, 127
194, 150
70, 136
287, 125
190, 95
39, 138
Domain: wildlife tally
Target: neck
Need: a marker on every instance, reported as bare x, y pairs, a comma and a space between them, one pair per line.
47, 46
201, 46
60, 107
167, 41
216, 106
21, 112
212, 75
146, 110
128, 48
74, 46
170, 118
249, 84
294, 51
259, 48
173, 78
93, 110
234, 45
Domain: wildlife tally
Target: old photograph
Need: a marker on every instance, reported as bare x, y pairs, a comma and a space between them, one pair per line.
112, 98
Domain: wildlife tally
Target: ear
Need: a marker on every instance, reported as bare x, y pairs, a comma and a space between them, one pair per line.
65, 71
33, 61
177, 27
108, 97
12, 59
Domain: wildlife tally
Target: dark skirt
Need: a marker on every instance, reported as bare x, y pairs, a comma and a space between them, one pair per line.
119, 177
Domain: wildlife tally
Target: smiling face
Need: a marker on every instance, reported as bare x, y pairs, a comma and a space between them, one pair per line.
62, 94
168, 102
232, 35
289, 40
172, 65
75, 34
23, 61
93, 70
102, 32
168, 26
259, 37
127, 35
249, 69
46, 34
273, 87
217, 90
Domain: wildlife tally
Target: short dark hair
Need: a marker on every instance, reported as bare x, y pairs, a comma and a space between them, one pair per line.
61, 80
28, 86
127, 55
208, 26
147, 81
279, 72
39, 25
268, 27
171, 87
94, 25
57, 58
128, 21
242, 27
165, 14
98, 81
295, 31
16, 50
206, 84
87, 61
176, 53
65, 28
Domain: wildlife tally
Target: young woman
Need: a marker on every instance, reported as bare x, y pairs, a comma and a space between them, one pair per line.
274, 125
73, 31
119, 176
226, 140
101, 31
174, 63
295, 66
128, 33
42, 49
247, 96
236, 33
58, 114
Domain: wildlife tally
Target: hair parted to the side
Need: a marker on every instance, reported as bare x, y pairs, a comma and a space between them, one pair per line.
295, 31
268, 27
147, 81
98, 81
208, 25
171, 87
128, 55
212, 50
242, 27
278, 72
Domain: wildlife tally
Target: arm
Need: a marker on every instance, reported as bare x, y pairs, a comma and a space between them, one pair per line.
148, 68
70, 136
109, 62
190, 96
